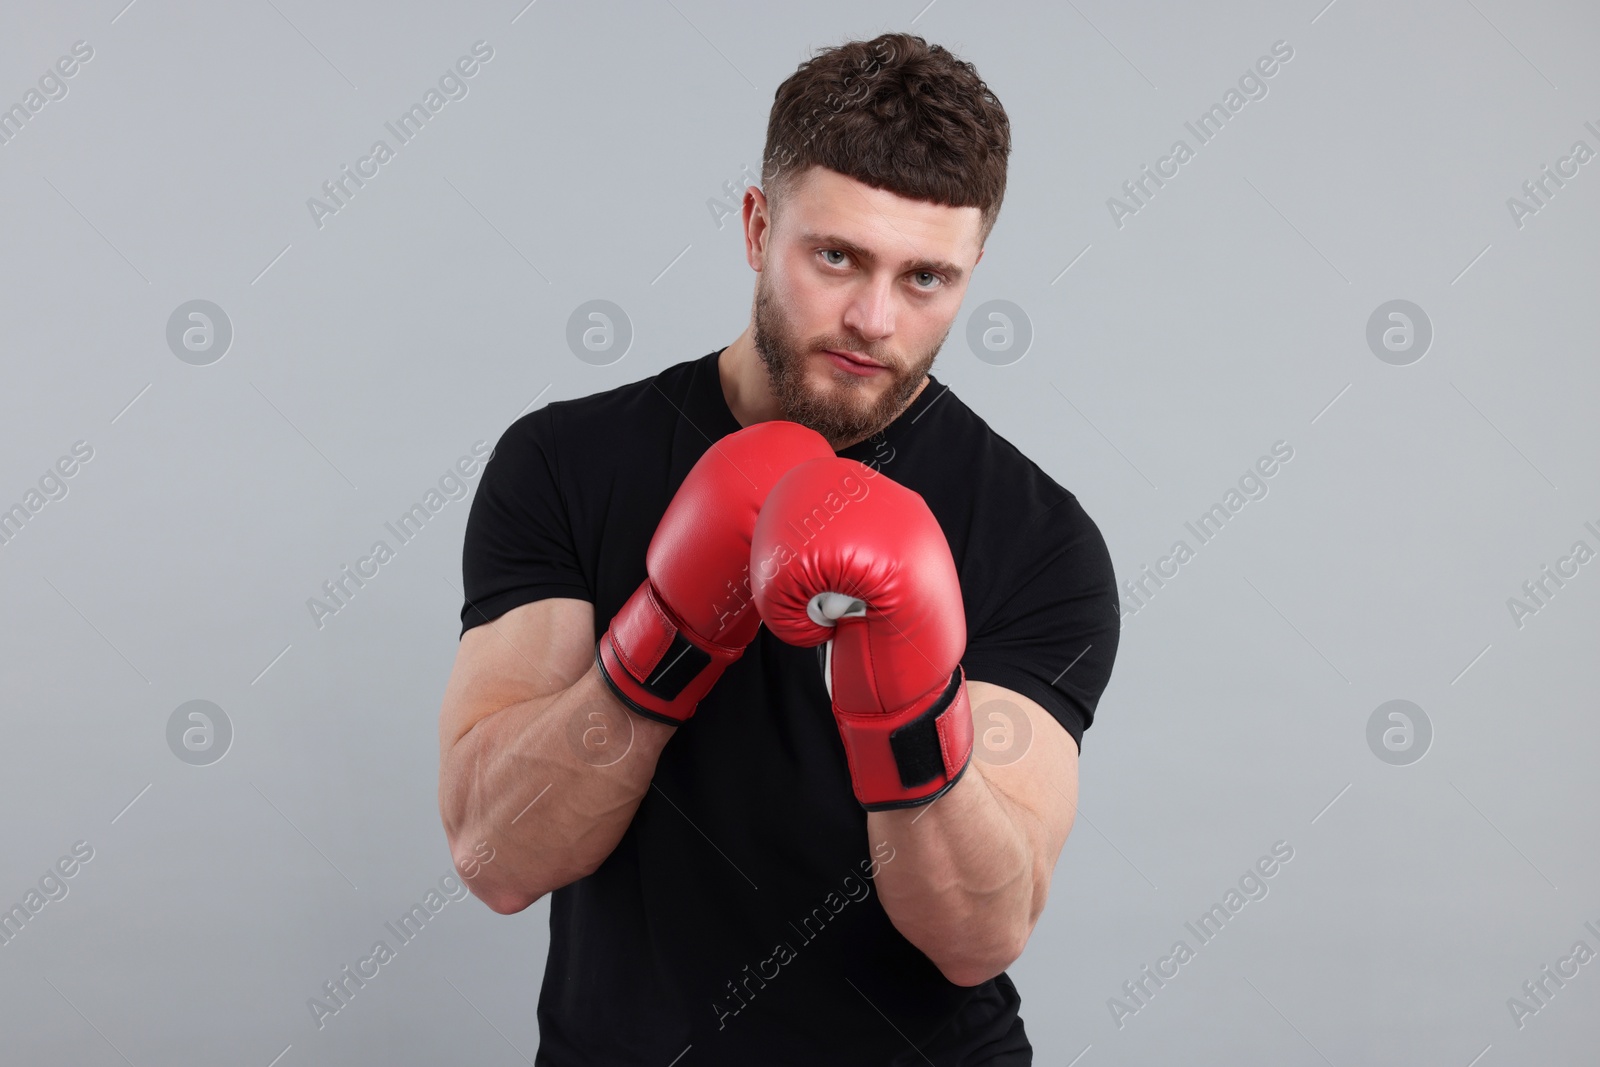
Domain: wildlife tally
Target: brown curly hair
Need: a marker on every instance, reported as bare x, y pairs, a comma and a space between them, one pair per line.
895, 113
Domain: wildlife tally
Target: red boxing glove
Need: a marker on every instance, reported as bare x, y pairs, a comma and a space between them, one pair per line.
692, 616
845, 555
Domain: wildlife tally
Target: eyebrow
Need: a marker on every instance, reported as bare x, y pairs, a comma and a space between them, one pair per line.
844, 244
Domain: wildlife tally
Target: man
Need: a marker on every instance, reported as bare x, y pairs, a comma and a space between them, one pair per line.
823, 839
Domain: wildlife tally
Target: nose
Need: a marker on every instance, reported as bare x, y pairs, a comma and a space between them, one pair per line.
870, 314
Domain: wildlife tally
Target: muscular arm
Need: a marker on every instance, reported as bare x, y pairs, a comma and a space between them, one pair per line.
981, 856
541, 768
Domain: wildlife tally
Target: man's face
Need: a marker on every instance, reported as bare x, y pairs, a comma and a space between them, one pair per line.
867, 274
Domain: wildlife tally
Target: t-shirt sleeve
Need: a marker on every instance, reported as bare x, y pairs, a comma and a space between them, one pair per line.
519, 545
1053, 636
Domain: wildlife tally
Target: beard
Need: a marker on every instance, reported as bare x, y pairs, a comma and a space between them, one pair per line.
845, 413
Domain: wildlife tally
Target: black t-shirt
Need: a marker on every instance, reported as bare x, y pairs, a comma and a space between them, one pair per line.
736, 917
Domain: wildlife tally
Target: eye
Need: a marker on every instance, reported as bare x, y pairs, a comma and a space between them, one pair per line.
826, 252
928, 274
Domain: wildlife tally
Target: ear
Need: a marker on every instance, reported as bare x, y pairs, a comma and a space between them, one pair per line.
757, 226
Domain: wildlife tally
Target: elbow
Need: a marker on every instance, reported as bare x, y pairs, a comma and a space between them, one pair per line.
970, 970
499, 872
478, 863
490, 882
969, 974
510, 896
507, 902
501, 894
489, 875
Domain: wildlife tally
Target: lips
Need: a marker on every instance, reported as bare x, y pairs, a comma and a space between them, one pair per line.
856, 358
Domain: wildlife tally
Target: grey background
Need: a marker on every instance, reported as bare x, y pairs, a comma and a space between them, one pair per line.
371, 353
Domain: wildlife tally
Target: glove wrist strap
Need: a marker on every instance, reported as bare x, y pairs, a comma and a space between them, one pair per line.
653, 664
914, 756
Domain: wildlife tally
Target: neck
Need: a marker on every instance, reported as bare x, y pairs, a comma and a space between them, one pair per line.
744, 382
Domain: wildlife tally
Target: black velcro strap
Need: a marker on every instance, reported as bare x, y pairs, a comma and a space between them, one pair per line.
682, 663
916, 744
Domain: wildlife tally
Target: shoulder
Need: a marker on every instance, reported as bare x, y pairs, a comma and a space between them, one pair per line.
1004, 474
1021, 528
612, 421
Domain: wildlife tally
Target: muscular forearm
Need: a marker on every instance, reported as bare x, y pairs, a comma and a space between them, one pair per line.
965, 894
549, 785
